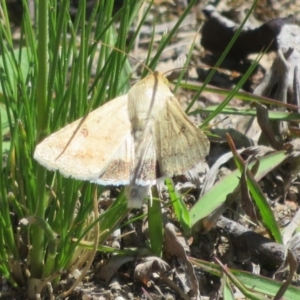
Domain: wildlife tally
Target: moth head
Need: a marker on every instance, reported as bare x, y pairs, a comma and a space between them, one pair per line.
161, 77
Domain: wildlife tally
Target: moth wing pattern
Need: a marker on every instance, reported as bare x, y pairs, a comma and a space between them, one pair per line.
146, 157
180, 143
90, 154
145, 172
120, 167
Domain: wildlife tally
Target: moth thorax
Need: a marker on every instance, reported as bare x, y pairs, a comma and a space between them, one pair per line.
141, 122
137, 134
140, 135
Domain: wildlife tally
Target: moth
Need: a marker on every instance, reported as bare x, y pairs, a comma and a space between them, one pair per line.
135, 140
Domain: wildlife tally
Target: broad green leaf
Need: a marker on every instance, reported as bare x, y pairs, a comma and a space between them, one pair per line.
217, 194
7, 64
227, 292
253, 282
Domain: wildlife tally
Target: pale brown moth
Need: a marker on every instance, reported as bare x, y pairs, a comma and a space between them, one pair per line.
134, 140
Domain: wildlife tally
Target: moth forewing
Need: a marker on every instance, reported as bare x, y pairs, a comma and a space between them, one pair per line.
120, 167
103, 142
182, 144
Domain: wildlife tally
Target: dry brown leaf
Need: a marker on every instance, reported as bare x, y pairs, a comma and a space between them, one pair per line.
176, 247
247, 203
113, 265
148, 266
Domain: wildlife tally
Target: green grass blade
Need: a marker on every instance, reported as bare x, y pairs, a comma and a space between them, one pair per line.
273, 115
37, 253
155, 222
220, 60
179, 207
232, 94
169, 36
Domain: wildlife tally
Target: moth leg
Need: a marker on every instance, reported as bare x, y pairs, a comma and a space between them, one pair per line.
136, 194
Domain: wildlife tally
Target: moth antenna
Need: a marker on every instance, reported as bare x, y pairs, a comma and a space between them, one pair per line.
210, 126
175, 69
123, 52
174, 73
181, 60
